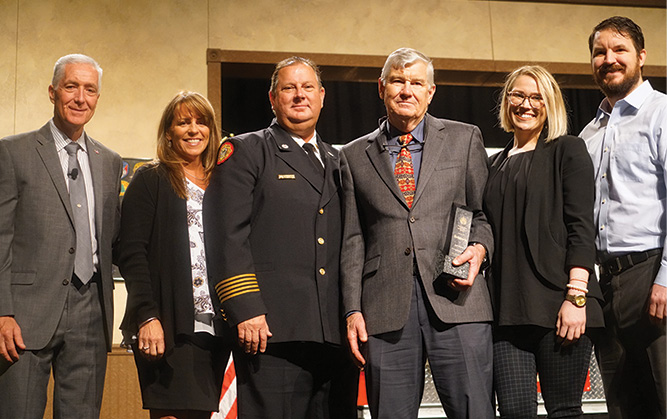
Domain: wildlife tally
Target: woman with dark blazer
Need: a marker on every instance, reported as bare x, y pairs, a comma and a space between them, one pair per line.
169, 317
539, 201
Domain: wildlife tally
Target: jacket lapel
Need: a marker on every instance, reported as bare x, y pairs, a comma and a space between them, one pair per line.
290, 152
435, 139
331, 172
535, 189
380, 160
97, 172
47, 152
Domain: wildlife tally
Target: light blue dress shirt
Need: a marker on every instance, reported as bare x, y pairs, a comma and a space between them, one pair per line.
628, 145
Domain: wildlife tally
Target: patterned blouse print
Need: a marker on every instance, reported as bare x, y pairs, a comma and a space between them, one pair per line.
200, 291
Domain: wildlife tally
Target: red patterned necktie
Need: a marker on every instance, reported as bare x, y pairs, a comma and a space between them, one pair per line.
404, 172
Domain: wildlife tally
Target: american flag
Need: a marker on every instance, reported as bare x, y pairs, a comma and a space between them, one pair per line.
227, 405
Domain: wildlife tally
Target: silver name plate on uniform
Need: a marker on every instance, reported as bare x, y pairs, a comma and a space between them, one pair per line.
458, 242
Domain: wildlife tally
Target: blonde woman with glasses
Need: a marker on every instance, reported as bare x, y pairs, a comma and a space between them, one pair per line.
539, 201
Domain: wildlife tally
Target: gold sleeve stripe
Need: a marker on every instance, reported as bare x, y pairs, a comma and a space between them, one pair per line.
237, 292
236, 285
230, 290
234, 280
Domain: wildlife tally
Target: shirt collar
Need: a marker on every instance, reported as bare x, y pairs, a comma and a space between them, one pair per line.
417, 133
635, 99
61, 139
300, 141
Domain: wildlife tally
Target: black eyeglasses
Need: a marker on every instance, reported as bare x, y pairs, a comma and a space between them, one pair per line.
517, 99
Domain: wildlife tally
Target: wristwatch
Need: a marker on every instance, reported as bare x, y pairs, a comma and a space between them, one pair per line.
577, 300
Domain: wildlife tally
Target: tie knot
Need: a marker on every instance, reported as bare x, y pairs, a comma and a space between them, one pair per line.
72, 148
309, 147
403, 140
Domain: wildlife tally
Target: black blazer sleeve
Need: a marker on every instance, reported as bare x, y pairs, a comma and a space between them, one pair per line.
559, 209
578, 200
137, 220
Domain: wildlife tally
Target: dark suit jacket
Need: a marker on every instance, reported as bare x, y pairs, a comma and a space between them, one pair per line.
37, 238
382, 236
559, 209
154, 255
273, 231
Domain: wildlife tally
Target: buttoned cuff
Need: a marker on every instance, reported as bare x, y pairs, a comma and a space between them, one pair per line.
661, 277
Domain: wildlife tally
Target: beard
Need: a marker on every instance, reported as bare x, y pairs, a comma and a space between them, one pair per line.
617, 89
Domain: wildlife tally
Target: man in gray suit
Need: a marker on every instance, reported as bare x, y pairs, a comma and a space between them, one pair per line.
59, 213
399, 185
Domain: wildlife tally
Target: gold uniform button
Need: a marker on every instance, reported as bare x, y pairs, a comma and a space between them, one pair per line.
321, 211
407, 251
320, 240
322, 271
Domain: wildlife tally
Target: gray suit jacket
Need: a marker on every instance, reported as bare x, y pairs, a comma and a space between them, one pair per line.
37, 238
382, 236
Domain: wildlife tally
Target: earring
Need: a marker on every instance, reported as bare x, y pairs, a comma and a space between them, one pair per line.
169, 143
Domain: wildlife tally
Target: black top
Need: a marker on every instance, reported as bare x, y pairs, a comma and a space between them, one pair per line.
540, 206
515, 281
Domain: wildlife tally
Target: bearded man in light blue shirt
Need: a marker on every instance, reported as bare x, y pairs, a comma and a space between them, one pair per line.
627, 143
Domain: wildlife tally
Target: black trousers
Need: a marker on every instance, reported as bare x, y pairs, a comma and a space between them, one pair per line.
520, 353
631, 352
296, 380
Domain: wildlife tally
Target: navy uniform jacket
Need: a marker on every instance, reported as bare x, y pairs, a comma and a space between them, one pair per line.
272, 230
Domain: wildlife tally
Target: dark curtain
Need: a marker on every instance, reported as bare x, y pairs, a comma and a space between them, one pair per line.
352, 109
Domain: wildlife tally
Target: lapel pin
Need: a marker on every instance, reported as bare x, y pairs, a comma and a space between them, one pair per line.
284, 146
97, 151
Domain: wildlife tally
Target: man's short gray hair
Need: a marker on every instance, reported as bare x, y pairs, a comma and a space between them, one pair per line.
404, 57
291, 61
59, 68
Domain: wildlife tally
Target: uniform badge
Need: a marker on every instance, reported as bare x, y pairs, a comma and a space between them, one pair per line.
226, 150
